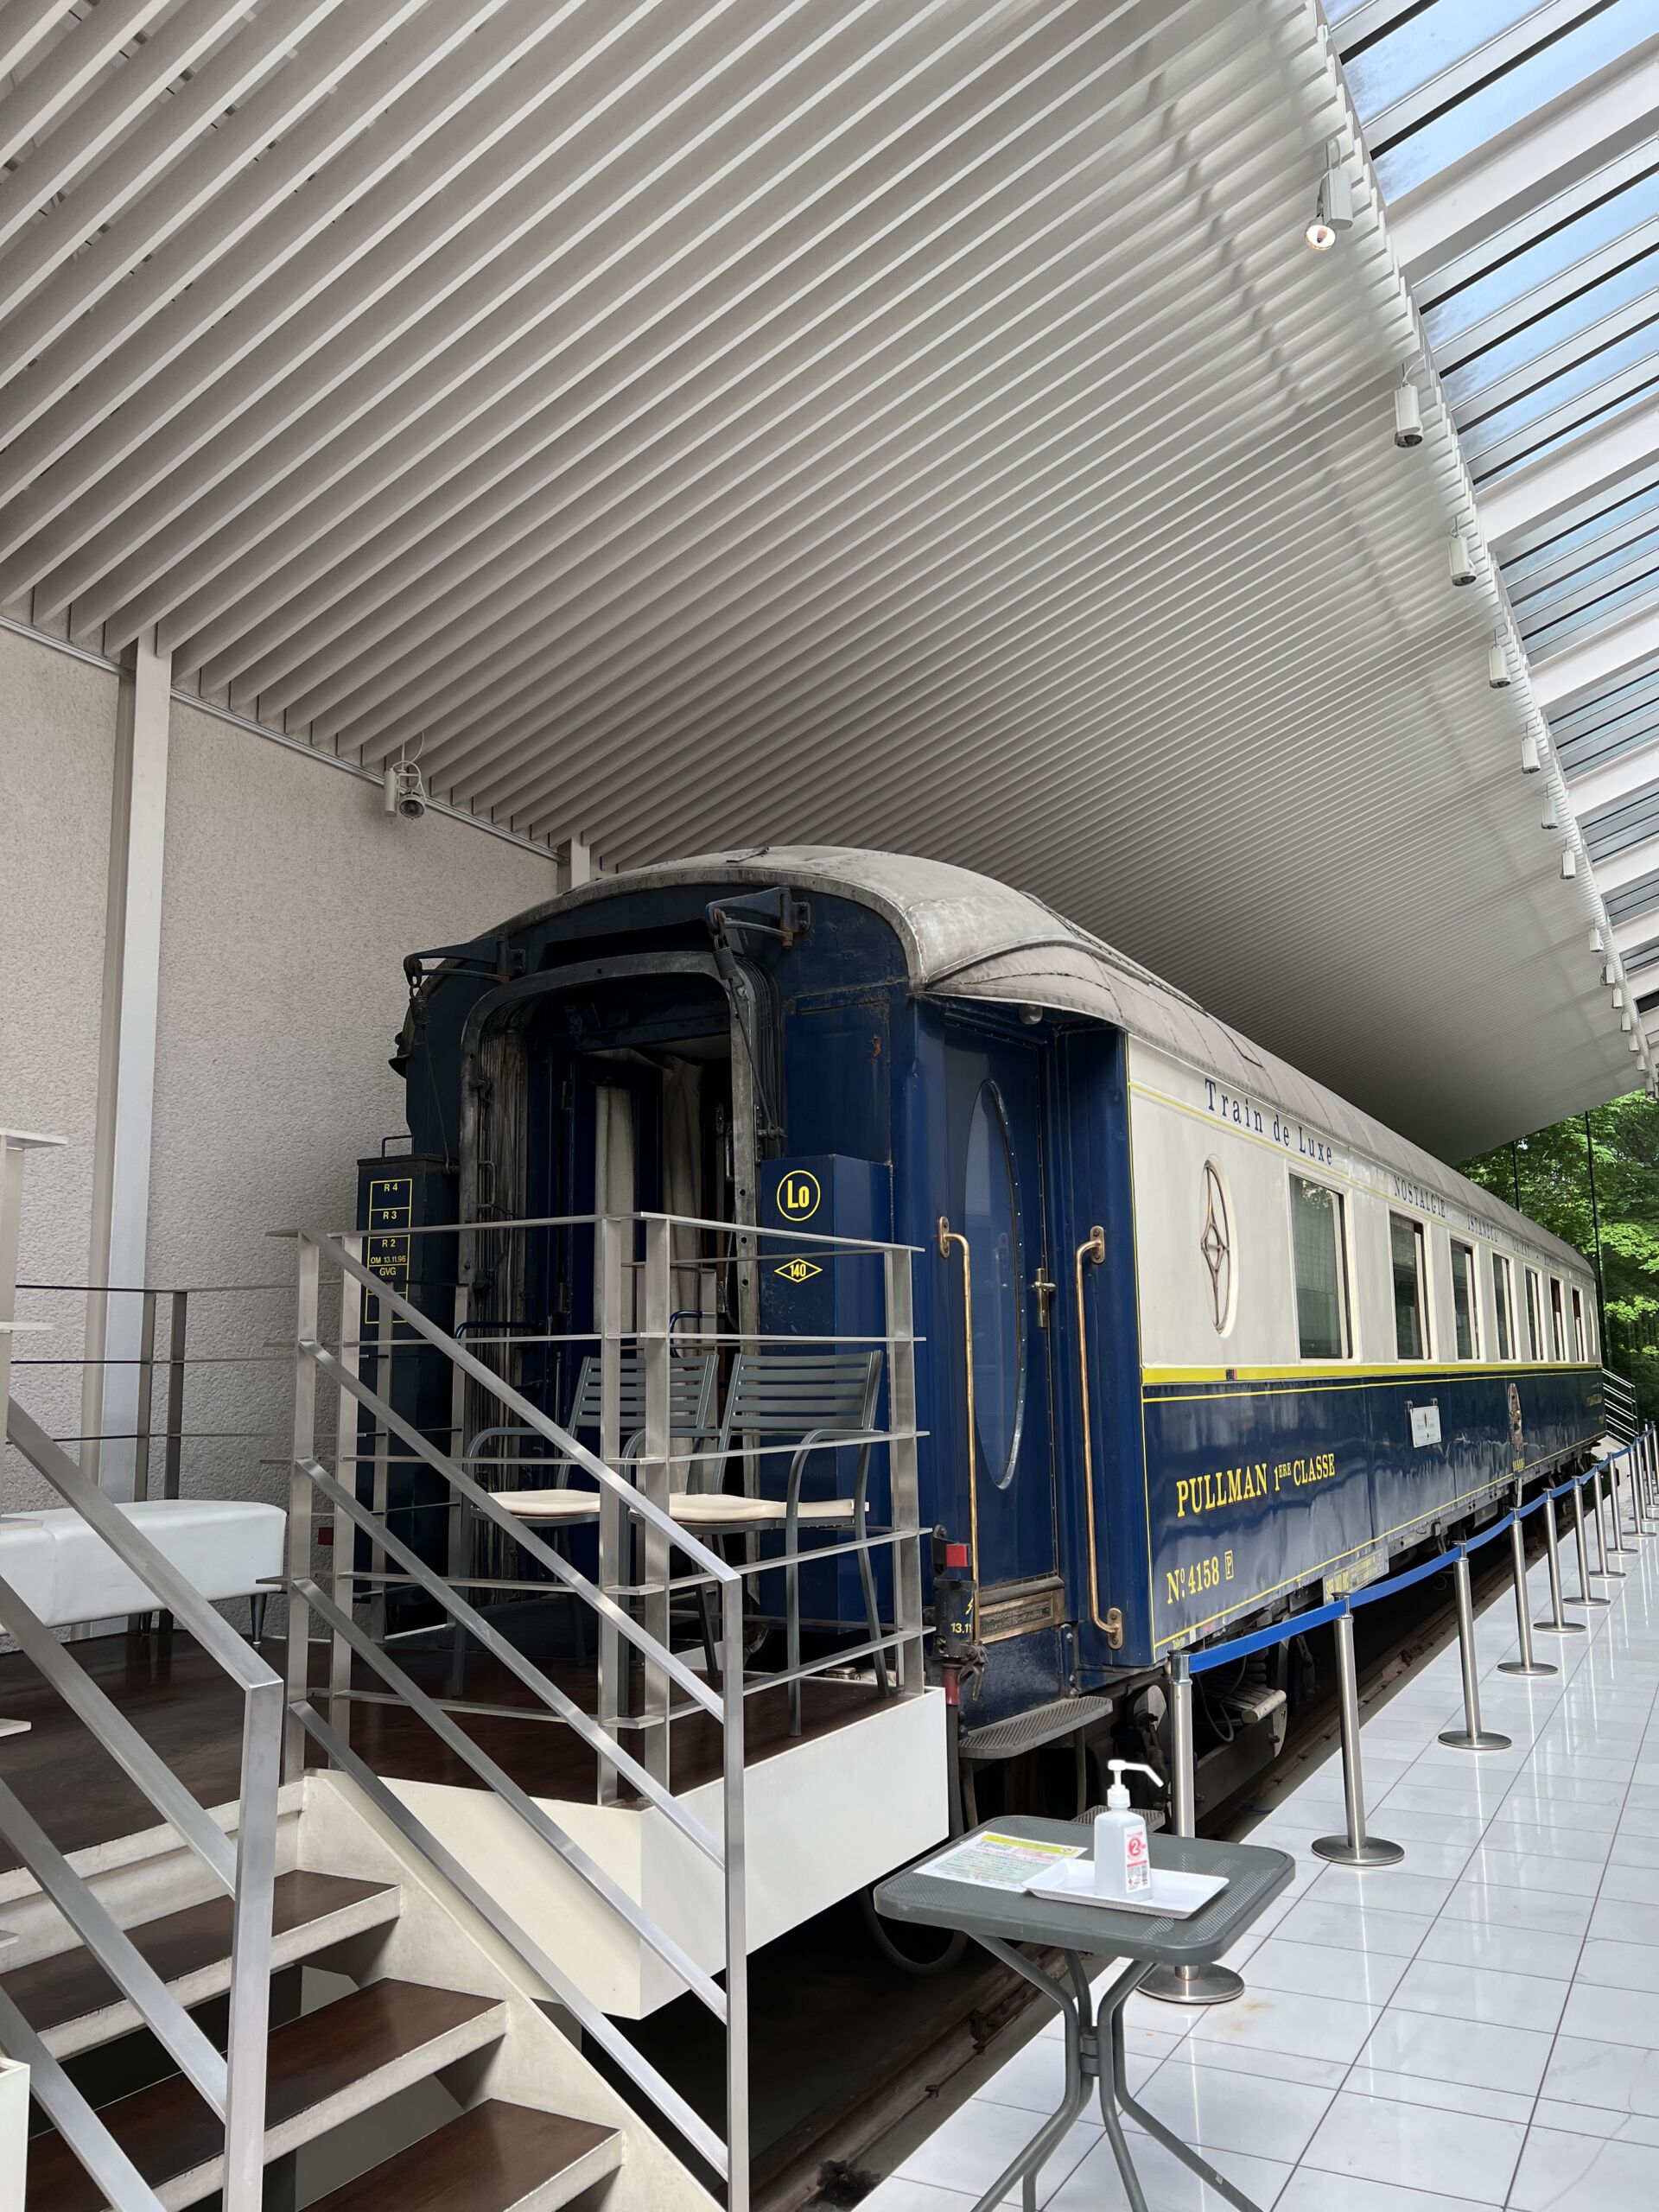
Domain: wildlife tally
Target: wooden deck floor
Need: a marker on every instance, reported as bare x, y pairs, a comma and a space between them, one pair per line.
179, 1702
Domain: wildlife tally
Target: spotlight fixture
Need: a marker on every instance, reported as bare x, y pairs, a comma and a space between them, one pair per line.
1609, 973
1333, 210
1595, 937
1407, 412
1552, 820
1636, 1043
1530, 764
1628, 1021
1497, 669
1618, 997
1569, 864
1459, 560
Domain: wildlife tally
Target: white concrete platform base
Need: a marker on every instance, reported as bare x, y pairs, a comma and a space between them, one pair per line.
821, 1820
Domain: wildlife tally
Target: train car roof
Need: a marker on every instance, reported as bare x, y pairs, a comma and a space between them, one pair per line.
968, 936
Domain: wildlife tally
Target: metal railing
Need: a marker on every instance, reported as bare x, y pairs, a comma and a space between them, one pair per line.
1619, 1404
232, 2084
637, 1666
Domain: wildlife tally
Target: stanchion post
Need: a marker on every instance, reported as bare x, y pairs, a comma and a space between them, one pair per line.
1213, 1984
1558, 1623
1587, 1596
1526, 1664
1472, 1736
1610, 1497
1356, 1848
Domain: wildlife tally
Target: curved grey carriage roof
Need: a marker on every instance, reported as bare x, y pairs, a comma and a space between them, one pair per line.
966, 935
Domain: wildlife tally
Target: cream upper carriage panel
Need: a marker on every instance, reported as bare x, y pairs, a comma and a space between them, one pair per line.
1212, 1168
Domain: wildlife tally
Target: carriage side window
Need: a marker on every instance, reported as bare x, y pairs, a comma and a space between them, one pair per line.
1464, 1314
1319, 1252
1580, 1349
1410, 1287
1557, 1326
1534, 1316
1503, 1306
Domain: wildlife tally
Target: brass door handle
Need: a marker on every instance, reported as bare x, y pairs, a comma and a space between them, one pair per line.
948, 1237
1092, 1248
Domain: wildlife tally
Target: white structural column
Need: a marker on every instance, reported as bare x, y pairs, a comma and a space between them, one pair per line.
126, 1090
576, 862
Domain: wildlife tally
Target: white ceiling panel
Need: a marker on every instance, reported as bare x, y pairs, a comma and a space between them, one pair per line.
696, 422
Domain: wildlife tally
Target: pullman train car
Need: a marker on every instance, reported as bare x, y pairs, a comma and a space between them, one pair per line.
1233, 1345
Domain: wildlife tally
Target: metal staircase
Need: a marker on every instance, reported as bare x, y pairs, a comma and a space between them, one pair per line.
241, 1999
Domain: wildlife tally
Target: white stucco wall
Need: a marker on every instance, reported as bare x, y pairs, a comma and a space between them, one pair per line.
289, 899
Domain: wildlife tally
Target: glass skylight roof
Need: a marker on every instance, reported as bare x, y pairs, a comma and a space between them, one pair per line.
1543, 316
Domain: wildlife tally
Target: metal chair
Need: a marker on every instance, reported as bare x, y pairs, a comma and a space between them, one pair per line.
691, 1402
814, 1399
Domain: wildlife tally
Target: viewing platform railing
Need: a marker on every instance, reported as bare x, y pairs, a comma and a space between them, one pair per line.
643, 1685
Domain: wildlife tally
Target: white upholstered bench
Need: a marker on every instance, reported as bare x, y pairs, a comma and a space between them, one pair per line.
64, 1572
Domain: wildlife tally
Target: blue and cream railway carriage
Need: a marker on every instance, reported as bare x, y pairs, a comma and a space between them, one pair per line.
1231, 1343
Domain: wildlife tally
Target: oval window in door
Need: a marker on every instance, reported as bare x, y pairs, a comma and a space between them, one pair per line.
991, 1220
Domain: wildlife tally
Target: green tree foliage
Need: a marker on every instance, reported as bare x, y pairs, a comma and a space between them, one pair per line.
1548, 1176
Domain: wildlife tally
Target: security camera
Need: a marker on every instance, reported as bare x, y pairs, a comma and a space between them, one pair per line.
405, 792
1408, 414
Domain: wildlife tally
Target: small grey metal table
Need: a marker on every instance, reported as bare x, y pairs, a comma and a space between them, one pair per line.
1001, 1919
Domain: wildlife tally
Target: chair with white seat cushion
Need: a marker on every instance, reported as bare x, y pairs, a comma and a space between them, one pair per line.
64, 1572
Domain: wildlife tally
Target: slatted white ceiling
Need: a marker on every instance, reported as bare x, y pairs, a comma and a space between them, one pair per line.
699, 421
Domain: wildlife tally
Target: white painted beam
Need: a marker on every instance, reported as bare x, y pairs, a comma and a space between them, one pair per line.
1628, 867
120, 1238
24, 25
1603, 657
1542, 489
1524, 167
1614, 779
74, 63
1636, 935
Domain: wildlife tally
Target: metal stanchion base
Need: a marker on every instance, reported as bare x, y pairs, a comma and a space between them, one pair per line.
1373, 1852
1525, 1667
1589, 1598
1459, 1739
1561, 1627
1192, 1985
1614, 1574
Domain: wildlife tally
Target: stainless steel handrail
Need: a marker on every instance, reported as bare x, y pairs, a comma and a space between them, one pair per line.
639, 1497
234, 2086
729, 2157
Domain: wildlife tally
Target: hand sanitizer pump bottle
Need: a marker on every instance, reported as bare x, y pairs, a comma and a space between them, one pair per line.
1122, 1868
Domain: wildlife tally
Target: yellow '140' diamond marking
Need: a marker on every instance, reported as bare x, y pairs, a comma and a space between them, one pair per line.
798, 1270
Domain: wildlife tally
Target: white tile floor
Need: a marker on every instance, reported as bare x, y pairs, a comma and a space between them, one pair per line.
1477, 2026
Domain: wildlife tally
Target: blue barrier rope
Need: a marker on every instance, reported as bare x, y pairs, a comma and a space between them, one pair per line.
1222, 1654
1376, 1590
1474, 1543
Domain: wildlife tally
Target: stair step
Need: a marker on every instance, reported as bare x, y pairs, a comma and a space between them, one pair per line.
72, 2005
497, 2158
323, 2069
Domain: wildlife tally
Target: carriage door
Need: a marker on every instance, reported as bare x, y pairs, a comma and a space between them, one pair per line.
994, 1097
